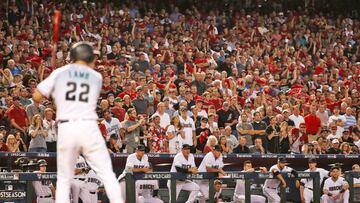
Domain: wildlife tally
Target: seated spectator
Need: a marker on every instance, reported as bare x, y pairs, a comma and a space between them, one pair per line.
12, 143
231, 140
112, 145
38, 134
223, 143
211, 142
241, 148
335, 147
20, 140
3, 146
257, 148
345, 148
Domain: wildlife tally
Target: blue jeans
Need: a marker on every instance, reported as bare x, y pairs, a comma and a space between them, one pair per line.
37, 149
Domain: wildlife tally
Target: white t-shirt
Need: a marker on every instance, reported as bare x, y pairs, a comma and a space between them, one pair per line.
75, 89
133, 162
274, 183
308, 183
332, 186
112, 128
332, 136
174, 143
210, 161
164, 119
189, 127
334, 118
297, 120
182, 162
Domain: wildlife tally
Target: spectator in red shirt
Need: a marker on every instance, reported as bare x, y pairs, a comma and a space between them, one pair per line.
313, 124
3, 147
17, 116
118, 111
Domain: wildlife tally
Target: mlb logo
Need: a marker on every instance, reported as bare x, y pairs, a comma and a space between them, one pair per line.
9, 187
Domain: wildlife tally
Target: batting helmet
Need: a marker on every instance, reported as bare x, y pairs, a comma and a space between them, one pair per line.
42, 162
82, 51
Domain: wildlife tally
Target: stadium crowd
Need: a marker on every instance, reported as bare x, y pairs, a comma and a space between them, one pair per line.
284, 81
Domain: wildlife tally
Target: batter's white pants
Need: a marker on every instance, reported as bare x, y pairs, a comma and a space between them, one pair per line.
344, 198
45, 200
271, 194
142, 199
253, 199
83, 136
187, 185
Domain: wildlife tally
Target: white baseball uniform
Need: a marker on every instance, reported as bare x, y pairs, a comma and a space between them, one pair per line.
209, 161
308, 183
334, 187
239, 193
78, 184
145, 191
270, 188
43, 191
92, 185
75, 89
181, 162
132, 161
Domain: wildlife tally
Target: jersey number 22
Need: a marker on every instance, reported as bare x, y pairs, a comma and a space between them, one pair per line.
83, 96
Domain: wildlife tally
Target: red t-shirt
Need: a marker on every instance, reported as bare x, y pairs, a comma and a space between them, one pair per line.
312, 123
18, 114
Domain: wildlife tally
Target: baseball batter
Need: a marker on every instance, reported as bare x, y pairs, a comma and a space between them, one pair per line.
136, 162
75, 89
78, 183
213, 163
270, 188
306, 188
335, 188
44, 189
184, 162
147, 191
92, 184
239, 195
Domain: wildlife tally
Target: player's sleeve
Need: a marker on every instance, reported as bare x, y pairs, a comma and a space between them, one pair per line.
47, 86
326, 185
130, 162
208, 162
192, 161
221, 165
146, 158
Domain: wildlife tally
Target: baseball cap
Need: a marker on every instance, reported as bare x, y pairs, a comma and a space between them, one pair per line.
217, 148
140, 148
282, 160
118, 99
334, 141
312, 160
186, 146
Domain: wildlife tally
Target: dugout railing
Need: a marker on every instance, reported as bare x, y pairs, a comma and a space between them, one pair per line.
234, 175
349, 176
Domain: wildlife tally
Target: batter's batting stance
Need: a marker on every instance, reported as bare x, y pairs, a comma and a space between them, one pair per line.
75, 89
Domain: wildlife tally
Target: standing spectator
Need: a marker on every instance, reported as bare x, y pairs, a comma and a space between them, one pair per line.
140, 103
212, 124
17, 116
175, 133
158, 142
189, 129
112, 124
118, 111
12, 144
245, 129
273, 133
323, 114
202, 134
231, 140
164, 117
313, 124
284, 138
33, 109
296, 117
199, 83
350, 119
297, 138
38, 134
226, 116
285, 114
338, 120
133, 126
241, 148
259, 127
50, 125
